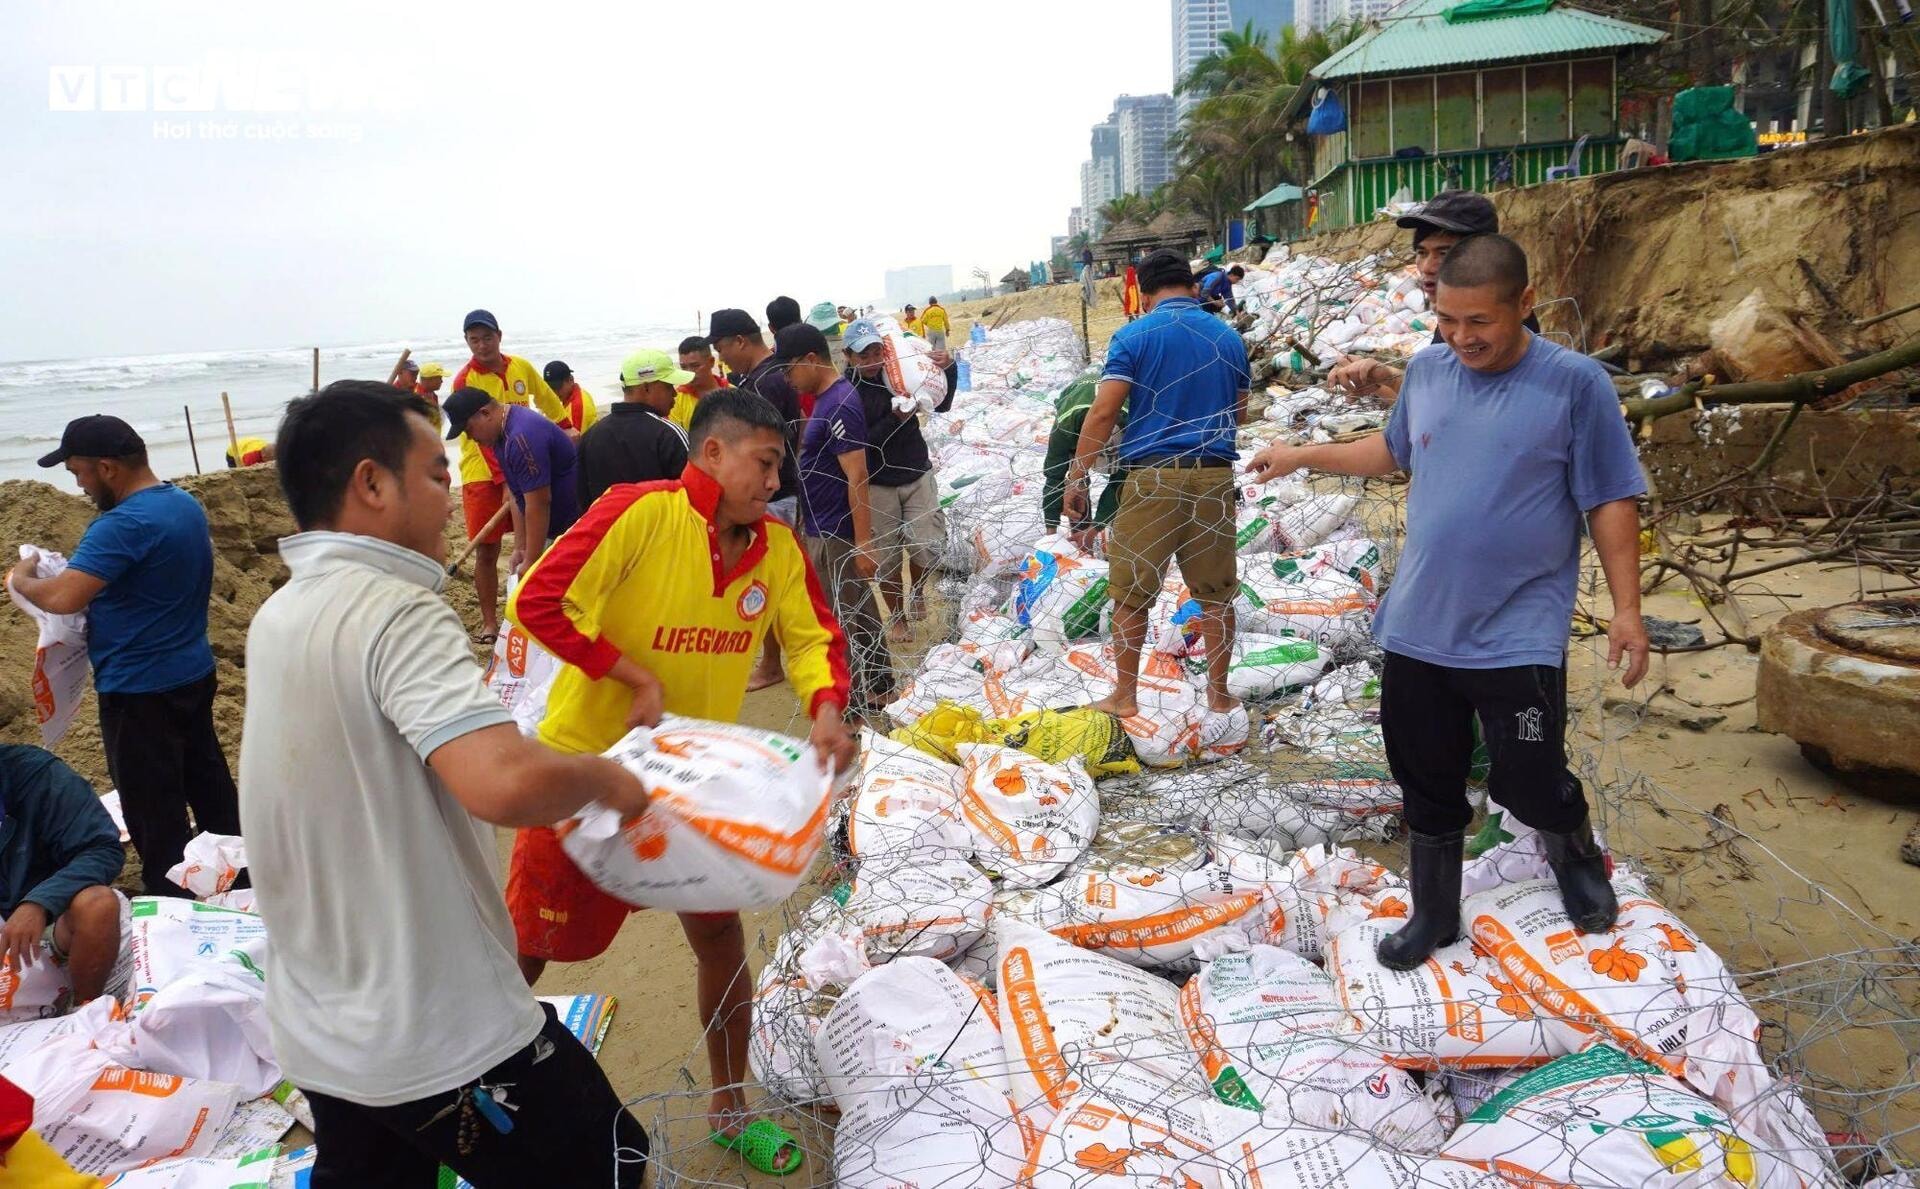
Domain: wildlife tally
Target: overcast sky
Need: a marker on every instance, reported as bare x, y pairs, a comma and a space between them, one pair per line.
567, 165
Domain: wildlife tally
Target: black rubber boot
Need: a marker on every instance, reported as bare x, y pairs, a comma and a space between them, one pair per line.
1580, 866
1435, 876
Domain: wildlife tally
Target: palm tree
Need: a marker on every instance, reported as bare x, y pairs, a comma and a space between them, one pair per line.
1123, 208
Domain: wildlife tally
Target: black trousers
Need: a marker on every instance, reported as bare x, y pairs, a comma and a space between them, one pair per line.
569, 1129
1426, 715
164, 756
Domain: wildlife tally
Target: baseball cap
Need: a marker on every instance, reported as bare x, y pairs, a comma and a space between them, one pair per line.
462, 405
650, 366
480, 318
782, 311
799, 340
95, 436
1463, 212
823, 317
726, 323
429, 370
556, 372
409, 366
863, 333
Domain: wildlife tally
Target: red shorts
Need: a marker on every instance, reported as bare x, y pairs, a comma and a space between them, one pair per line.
557, 912
481, 501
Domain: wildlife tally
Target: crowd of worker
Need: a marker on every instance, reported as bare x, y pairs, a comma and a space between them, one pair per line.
758, 481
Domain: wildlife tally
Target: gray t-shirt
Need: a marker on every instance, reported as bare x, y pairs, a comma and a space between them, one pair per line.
1503, 468
391, 971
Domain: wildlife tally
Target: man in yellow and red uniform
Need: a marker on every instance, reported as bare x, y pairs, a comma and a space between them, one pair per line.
658, 600
581, 412
510, 381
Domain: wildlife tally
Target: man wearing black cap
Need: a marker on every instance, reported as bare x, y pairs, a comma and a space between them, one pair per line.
1437, 224
581, 412
143, 574
510, 381
537, 459
736, 338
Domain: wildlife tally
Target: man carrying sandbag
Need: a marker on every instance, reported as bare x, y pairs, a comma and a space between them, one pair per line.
657, 602
374, 767
1510, 440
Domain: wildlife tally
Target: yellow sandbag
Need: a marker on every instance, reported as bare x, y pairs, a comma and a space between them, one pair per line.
939, 729
1053, 735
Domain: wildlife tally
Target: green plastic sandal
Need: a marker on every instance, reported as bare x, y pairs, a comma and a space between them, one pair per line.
759, 1143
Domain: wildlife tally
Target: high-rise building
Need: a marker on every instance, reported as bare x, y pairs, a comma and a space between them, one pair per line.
1198, 24
1076, 221
1100, 172
917, 283
1146, 122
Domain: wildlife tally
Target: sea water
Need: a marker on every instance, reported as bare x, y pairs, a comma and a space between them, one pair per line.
154, 393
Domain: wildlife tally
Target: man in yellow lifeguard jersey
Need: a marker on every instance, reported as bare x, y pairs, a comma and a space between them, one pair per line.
658, 600
510, 381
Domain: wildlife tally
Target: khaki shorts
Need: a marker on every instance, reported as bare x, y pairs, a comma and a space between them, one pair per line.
907, 517
1184, 513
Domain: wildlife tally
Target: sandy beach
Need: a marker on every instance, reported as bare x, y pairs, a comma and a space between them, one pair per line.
1793, 877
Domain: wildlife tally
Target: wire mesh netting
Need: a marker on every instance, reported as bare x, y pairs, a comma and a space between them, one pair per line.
1055, 947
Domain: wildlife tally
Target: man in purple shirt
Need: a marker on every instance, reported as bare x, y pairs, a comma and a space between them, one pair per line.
536, 456
835, 512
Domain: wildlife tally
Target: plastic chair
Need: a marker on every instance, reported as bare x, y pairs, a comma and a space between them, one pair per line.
1572, 168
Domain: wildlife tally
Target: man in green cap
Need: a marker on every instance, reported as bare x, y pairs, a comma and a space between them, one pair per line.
636, 442
1070, 411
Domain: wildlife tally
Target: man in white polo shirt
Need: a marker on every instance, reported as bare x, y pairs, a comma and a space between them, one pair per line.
373, 768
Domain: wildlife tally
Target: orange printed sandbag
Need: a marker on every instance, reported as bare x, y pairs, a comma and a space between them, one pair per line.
1127, 1128
1455, 1010
905, 804
1030, 819
1068, 1013
736, 817
105, 1118
1255, 1152
1150, 917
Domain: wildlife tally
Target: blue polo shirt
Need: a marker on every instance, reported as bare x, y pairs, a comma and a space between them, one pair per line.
534, 453
1188, 369
1504, 465
147, 630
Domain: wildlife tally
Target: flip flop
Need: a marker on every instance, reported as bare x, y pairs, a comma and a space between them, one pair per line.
759, 1142
486, 638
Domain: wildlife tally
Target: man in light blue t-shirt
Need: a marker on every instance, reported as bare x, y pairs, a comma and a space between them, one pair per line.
143, 574
1511, 440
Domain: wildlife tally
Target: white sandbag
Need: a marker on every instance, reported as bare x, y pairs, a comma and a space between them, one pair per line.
239, 899
947, 674
1603, 1117
1030, 819
105, 1118
906, 804
249, 1171
1455, 1010
1005, 532
87, 1022
1062, 596
171, 938
788, 1012
521, 673
1126, 1128
1148, 917
60, 669
912, 1055
929, 908
736, 817
1313, 892
1306, 524
1271, 1036
1357, 558
210, 864
1265, 666
1258, 1154
1519, 855
1066, 1013
1648, 986
1328, 608
917, 383
208, 1023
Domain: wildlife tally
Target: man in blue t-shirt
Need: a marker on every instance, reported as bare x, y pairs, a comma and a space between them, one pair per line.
1510, 440
1181, 375
143, 574
835, 511
537, 459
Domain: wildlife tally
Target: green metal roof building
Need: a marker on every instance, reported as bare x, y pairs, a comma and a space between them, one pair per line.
1452, 94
